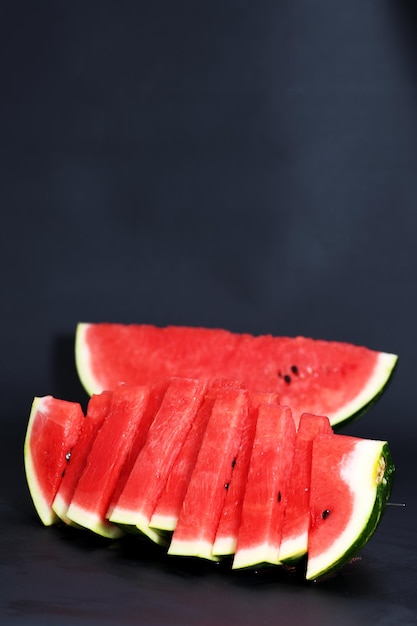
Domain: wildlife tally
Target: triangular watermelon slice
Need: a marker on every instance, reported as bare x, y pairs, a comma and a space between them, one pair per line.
335, 379
52, 432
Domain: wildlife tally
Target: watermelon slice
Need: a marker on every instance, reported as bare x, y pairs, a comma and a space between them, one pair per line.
266, 489
294, 539
227, 530
151, 469
97, 409
52, 432
212, 475
106, 458
351, 480
335, 379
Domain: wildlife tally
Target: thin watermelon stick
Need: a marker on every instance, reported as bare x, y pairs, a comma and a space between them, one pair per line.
294, 538
195, 531
105, 461
168, 507
97, 409
267, 488
153, 464
227, 531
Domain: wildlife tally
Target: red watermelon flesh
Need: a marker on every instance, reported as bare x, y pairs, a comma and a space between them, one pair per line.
212, 475
108, 453
351, 480
322, 377
266, 489
294, 539
52, 432
168, 507
227, 531
97, 409
169, 429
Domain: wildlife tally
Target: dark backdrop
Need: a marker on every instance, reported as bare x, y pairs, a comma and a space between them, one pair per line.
249, 165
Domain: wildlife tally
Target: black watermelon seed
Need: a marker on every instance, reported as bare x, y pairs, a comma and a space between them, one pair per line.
294, 369
325, 513
279, 496
287, 378
234, 462
226, 486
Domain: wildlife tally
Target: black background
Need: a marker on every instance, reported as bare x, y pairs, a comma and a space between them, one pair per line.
248, 165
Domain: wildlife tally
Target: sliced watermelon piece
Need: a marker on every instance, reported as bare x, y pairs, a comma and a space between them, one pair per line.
335, 379
97, 409
351, 481
212, 476
266, 489
153, 464
52, 432
105, 461
294, 539
228, 528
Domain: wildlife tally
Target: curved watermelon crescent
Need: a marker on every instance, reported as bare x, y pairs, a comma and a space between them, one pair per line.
375, 386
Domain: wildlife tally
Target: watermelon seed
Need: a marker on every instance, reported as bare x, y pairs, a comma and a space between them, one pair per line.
279, 496
294, 369
287, 378
234, 462
325, 513
68, 455
63, 474
226, 485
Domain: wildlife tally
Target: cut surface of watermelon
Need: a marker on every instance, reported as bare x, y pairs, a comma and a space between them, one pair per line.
266, 490
52, 432
335, 379
195, 532
105, 461
351, 481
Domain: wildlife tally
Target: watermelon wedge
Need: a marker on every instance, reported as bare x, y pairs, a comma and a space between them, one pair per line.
195, 532
351, 481
266, 490
52, 432
335, 379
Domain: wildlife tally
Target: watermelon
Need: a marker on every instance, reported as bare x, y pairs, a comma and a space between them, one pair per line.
195, 531
106, 458
191, 464
52, 432
351, 480
266, 489
294, 538
152, 466
335, 379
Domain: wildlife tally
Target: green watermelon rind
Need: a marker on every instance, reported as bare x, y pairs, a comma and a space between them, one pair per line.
383, 489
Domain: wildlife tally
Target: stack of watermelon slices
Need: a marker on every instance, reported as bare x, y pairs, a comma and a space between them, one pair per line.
209, 466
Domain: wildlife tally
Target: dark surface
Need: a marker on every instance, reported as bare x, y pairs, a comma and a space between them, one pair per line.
236, 164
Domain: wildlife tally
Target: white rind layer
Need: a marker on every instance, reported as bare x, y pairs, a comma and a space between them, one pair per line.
92, 521
293, 547
381, 374
126, 517
163, 522
224, 545
360, 473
